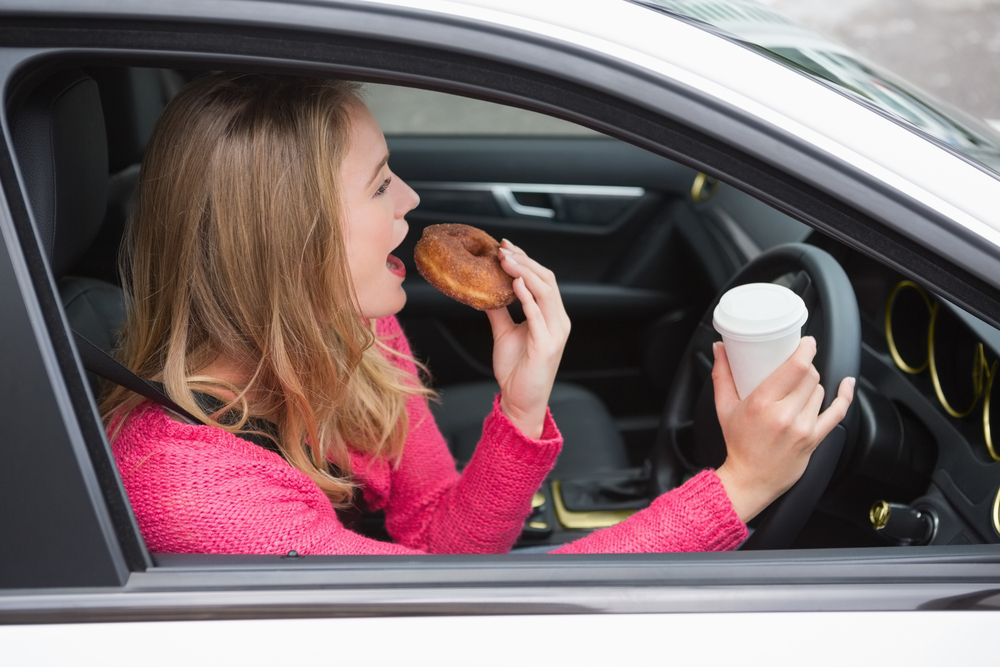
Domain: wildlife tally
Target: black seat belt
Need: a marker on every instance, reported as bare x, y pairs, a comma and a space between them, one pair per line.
100, 363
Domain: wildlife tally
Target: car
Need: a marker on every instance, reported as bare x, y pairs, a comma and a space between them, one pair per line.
653, 153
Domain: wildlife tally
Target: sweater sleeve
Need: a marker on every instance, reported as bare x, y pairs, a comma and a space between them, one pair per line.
197, 489
434, 509
696, 516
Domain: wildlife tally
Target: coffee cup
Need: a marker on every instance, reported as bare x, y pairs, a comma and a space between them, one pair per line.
761, 324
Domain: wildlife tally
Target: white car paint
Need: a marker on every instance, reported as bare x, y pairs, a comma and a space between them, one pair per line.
825, 639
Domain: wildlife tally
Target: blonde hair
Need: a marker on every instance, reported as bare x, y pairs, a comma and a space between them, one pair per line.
236, 249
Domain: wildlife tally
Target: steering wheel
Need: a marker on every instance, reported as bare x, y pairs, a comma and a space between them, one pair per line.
691, 438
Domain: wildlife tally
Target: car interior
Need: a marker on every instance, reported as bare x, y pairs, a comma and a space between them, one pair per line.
642, 246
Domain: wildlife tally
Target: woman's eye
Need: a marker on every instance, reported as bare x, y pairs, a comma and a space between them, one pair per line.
382, 188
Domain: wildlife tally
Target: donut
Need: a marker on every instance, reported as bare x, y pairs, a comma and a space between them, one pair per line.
461, 262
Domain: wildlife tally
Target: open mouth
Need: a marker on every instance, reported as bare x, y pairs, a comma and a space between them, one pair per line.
395, 266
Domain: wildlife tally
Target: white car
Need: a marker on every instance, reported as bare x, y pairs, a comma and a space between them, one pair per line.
652, 153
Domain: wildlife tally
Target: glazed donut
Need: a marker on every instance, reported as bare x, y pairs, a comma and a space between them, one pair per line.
461, 261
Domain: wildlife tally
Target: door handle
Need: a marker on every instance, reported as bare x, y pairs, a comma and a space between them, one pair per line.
509, 206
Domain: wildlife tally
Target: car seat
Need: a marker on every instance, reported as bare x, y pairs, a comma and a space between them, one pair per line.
61, 147
132, 99
591, 442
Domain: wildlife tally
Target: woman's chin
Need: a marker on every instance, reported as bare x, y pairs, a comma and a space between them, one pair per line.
389, 303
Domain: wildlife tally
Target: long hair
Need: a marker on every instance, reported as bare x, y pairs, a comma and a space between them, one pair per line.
235, 248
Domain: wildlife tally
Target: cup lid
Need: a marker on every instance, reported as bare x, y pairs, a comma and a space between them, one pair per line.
759, 311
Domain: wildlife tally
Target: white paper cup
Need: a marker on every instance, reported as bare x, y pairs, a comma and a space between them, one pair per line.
761, 324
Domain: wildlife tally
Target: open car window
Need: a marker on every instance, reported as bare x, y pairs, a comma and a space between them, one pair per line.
642, 246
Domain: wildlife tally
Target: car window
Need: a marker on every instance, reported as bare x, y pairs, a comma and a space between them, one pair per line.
642, 245
412, 111
778, 37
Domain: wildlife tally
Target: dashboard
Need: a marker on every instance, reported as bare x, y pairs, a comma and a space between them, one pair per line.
922, 445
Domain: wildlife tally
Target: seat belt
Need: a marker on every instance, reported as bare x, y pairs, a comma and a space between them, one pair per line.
99, 362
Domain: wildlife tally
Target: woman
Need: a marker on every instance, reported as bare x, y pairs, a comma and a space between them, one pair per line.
262, 295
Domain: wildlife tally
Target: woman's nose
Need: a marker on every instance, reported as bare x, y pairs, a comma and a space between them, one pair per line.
407, 200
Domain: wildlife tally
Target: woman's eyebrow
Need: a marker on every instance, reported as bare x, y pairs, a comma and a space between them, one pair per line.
379, 168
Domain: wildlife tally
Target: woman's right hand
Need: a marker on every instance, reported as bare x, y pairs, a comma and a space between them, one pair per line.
772, 433
526, 355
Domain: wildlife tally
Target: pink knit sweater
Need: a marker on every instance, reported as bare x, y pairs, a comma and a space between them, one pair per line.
198, 489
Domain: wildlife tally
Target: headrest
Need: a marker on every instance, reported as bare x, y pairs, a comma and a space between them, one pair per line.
133, 99
62, 150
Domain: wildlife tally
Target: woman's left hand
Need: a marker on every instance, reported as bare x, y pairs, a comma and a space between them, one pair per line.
526, 356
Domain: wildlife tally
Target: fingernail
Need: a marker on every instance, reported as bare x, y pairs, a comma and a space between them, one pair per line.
715, 349
503, 241
506, 252
511, 259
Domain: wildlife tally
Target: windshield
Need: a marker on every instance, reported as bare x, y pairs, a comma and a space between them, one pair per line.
778, 37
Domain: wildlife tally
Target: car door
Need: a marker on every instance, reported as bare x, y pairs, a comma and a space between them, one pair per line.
75, 576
